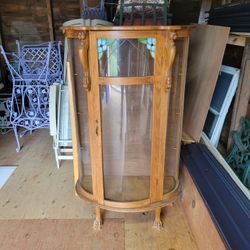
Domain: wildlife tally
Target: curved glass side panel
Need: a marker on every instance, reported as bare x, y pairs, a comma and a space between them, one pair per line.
126, 134
126, 57
82, 114
173, 138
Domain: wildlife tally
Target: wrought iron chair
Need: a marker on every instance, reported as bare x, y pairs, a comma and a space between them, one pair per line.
97, 12
37, 69
239, 156
32, 59
5, 124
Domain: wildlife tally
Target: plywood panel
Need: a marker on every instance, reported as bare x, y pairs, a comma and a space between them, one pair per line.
206, 50
39, 190
175, 234
60, 234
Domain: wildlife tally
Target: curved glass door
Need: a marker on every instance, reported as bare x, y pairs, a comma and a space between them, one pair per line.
129, 106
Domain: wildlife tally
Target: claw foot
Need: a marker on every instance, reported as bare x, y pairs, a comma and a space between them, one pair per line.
97, 225
158, 225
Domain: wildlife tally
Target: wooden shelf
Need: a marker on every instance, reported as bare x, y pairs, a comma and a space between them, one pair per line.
238, 39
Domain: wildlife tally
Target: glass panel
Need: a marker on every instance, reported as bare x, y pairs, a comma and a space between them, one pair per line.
126, 132
126, 57
64, 127
171, 171
82, 112
210, 124
221, 89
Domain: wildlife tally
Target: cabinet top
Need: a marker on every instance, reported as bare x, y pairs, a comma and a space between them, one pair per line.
181, 31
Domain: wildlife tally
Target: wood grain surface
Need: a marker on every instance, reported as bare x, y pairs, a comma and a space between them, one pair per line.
61, 235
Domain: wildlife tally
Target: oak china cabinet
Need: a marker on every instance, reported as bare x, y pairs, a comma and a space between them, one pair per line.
126, 88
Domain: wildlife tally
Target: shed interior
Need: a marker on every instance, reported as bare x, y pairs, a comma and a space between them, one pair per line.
153, 120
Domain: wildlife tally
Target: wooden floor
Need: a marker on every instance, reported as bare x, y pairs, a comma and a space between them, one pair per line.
38, 190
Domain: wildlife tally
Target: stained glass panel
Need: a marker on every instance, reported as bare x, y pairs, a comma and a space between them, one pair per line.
126, 57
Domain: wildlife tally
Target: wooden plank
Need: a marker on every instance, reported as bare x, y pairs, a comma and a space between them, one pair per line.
206, 50
95, 127
26, 196
186, 139
242, 93
80, 7
176, 233
126, 80
61, 234
2, 62
180, 106
74, 123
160, 110
245, 34
237, 40
50, 20
198, 216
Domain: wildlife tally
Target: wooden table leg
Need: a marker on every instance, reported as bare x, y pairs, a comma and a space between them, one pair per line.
157, 222
98, 219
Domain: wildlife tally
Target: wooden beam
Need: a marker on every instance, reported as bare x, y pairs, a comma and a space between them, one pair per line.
242, 93
126, 80
80, 7
74, 124
2, 62
236, 40
50, 20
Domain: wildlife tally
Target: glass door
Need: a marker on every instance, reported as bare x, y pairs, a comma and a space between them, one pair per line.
128, 107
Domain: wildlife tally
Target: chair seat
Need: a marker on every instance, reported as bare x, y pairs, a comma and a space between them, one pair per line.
30, 123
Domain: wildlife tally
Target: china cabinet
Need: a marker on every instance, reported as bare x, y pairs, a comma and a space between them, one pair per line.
126, 89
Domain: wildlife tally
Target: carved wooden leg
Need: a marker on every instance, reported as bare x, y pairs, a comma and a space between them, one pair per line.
98, 219
157, 222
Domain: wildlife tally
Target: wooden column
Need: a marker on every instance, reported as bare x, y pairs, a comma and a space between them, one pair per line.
242, 93
2, 63
95, 128
50, 20
162, 86
80, 5
74, 123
